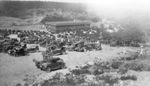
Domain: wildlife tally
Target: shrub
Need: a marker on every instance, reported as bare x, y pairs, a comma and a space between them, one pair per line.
57, 76
18, 84
67, 80
116, 64
98, 72
123, 69
36, 84
81, 70
26, 84
94, 84
109, 79
70, 80
133, 57
128, 77
131, 35
133, 65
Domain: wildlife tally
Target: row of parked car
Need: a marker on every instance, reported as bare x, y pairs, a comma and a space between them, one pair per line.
55, 44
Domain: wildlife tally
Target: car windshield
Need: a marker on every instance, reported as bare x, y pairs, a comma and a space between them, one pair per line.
54, 60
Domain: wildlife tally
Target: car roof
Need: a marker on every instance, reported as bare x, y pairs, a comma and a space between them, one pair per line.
55, 59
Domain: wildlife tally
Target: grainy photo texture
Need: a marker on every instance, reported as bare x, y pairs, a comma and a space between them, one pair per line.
74, 43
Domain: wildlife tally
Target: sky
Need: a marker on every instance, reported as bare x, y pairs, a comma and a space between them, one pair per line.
119, 7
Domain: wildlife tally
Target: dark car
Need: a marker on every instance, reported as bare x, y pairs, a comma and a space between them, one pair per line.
50, 65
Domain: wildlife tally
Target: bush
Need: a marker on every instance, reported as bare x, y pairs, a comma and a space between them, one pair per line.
136, 65
109, 79
64, 80
18, 84
128, 77
81, 70
93, 84
130, 35
26, 84
102, 67
54, 17
133, 65
116, 64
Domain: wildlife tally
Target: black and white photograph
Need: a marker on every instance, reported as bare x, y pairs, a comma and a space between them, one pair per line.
74, 43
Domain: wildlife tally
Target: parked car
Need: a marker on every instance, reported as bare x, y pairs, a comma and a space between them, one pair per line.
50, 65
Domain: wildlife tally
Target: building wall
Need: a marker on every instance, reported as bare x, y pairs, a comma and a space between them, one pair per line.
51, 28
66, 28
75, 27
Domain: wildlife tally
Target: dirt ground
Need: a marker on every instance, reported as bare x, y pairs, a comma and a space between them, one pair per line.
15, 70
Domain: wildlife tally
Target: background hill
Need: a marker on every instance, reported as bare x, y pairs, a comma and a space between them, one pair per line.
20, 9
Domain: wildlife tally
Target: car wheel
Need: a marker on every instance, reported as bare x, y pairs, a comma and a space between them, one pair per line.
63, 67
49, 69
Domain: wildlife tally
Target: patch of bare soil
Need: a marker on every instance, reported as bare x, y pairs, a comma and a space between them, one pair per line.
14, 70
22, 70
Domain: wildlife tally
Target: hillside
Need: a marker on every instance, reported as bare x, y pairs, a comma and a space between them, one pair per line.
12, 21
20, 9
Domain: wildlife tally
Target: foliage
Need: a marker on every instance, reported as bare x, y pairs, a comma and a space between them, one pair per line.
116, 64
81, 70
102, 73
26, 84
130, 35
111, 80
55, 17
18, 84
20, 9
136, 65
128, 77
68, 80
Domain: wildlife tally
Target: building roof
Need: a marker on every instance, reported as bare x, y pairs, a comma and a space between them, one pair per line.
68, 23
